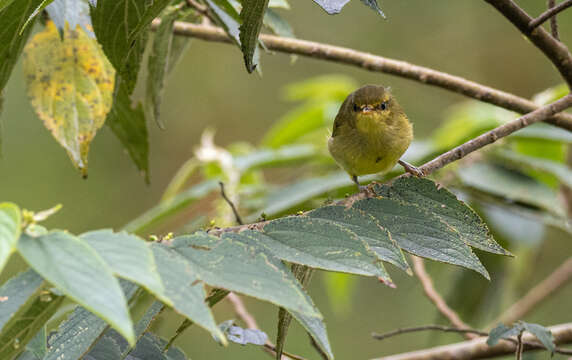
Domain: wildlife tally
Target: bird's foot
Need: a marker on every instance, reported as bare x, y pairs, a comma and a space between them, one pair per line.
411, 169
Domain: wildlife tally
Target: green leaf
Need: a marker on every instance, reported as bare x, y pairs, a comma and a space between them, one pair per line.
81, 274
171, 207
26, 306
232, 263
129, 257
106, 348
129, 125
10, 228
124, 42
368, 229
501, 331
559, 170
38, 345
544, 132
35, 13
542, 334
442, 203
317, 329
151, 347
157, 65
70, 85
321, 244
332, 6
511, 185
252, 15
226, 17
280, 157
374, 6
277, 24
77, 334
421, 233
184, 288
14, 14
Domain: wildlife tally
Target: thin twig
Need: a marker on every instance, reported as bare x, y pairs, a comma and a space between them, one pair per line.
433, 295
519, 346
250, 322
548, 14
491, 136
428, 327
230, 203
478, 348
553, 21
554, 282
379, 64
553, 49
201, 9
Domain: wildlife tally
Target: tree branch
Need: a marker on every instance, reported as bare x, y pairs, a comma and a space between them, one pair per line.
553, 21
549, 14
379, 64
554, 282
433, 295
553, 49
478, 348
427, 327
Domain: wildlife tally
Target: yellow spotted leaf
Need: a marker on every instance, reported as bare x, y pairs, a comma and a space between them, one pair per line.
70, 85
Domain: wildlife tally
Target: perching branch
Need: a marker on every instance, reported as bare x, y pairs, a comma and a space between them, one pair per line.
427, 327
379, 64
550, 14
554, 282
553, 49
478, 348
433, 295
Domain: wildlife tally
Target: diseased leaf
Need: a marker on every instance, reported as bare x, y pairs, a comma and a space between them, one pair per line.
184, 288
252, 15
321, 244
442, 203
421, 233
129, 125
157, 65
75, 269
13, 14
77, 334
129, 257
512, 185
332, 6
70, 85
231, 263
10, 229
26, 305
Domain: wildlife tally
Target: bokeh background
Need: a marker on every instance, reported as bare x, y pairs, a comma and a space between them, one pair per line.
210, 88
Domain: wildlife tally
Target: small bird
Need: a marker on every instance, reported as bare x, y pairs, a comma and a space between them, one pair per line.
370, 133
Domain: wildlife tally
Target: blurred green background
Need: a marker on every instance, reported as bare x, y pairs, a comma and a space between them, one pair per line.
210, 88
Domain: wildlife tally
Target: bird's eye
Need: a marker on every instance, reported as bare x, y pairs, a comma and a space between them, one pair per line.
356, 108
383, 105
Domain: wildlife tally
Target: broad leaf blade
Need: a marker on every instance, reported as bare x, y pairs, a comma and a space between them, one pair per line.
26, 306
79, 272
10, 224
230, 263
442, 203
421, 233
70, 85
317, 329
252, 15
129, 257
542, 334
501, 331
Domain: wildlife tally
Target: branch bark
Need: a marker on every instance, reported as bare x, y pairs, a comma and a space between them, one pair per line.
553, 49
550, 13
478, 348
379, 64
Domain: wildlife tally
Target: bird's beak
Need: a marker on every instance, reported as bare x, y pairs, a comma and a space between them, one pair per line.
367, 109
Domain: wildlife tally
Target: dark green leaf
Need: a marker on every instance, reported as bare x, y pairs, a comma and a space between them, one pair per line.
35, 13
78, 333
26, 305
321, 244
129, 125
75, 269
542, 334
4, 3
252, 15
231, 263
10, 225
129, 257
14, 14
373, 4
106, 348
157, 66
421, 233
39, 344
503, 332
184, 288
317, 329
442, 203
150, 347
515, 186
332, 6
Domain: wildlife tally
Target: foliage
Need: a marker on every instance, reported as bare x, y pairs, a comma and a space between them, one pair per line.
81, 73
